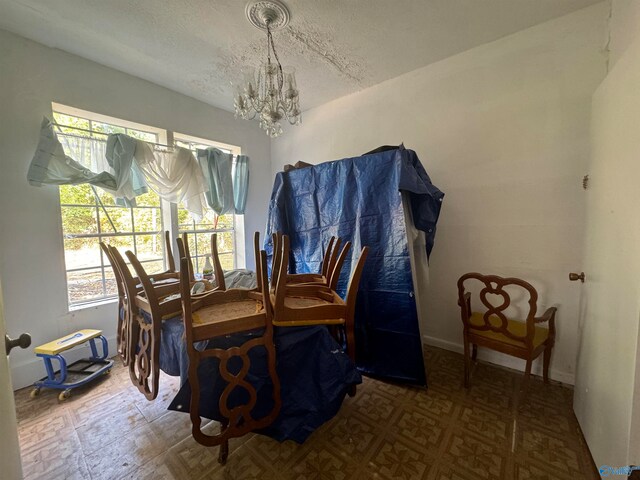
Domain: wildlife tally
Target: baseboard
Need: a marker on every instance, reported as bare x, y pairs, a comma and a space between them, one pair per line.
24, 374
498, 358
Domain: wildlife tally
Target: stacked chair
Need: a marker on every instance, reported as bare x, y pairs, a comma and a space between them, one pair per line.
223, 313
287, 300
124, 321
301, 304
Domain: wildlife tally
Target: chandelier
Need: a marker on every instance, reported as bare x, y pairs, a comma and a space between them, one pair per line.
269, 91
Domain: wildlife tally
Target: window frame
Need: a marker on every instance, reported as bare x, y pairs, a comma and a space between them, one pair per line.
168, 212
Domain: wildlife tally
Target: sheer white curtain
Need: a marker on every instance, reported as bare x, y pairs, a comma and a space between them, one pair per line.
174, 174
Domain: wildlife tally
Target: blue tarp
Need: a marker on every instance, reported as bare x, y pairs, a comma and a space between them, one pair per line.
315, 374
358, 199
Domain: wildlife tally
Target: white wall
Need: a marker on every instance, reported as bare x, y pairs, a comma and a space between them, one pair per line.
607, 393
31, 253
624, 26
503, 130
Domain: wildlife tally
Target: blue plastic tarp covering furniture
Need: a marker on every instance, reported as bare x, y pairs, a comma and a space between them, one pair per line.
315, 374
359, 199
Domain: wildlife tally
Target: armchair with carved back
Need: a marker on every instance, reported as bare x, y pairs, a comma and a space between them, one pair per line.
490, 327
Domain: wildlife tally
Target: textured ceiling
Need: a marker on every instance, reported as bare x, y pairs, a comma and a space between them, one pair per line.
198, 47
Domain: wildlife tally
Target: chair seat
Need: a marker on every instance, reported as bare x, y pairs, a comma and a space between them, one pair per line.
304, 302
516, 327
226, 311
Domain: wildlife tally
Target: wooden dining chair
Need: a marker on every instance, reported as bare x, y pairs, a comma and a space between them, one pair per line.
183, 252
123, 319
331, 265
489, 326
217, 266
218, 314
299, 305
123, 315
171, 263
144, 332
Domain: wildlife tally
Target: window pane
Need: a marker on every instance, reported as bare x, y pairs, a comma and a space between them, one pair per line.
84, 285
204, 243
198, 263
146, 136
72, 121
191, 240
225, 221
106, 128
122, 244
105, 198
149, 247
121, 218
147, 219
225, 242
226, 261
77, 195
81, 253
110, 281
153, 267
149, 199
79, 220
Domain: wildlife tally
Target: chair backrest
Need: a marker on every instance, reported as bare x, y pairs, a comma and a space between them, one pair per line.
275, 259
116, 273
183, 252
494, 318
122, 332
279, 269
170, 260
144, 370
334, 275
131, 327
256, 255
145, 281
354, 282
327, 257
239, 417
333, 257
217, 266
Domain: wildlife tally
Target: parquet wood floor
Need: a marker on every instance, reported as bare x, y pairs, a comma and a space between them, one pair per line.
109, 431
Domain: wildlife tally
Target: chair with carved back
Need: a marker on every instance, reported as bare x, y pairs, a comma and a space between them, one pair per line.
219, 314
300, 305
123, 317
331, 266
491, 328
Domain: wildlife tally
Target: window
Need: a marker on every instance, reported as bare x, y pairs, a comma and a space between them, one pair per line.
89, 215
199, 232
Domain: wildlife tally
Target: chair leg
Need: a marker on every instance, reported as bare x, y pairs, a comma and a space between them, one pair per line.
547, 361
223, 454
467, 366
474, 352
351, 341
527, 374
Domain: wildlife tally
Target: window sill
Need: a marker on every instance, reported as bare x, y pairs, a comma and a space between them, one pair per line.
98, 303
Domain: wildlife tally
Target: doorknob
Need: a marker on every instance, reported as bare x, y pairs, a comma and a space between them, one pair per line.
575, 276
23, 341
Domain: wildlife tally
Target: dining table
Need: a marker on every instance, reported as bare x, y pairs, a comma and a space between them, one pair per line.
315, 373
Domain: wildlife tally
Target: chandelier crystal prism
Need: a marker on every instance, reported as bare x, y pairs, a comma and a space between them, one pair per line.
269, 91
